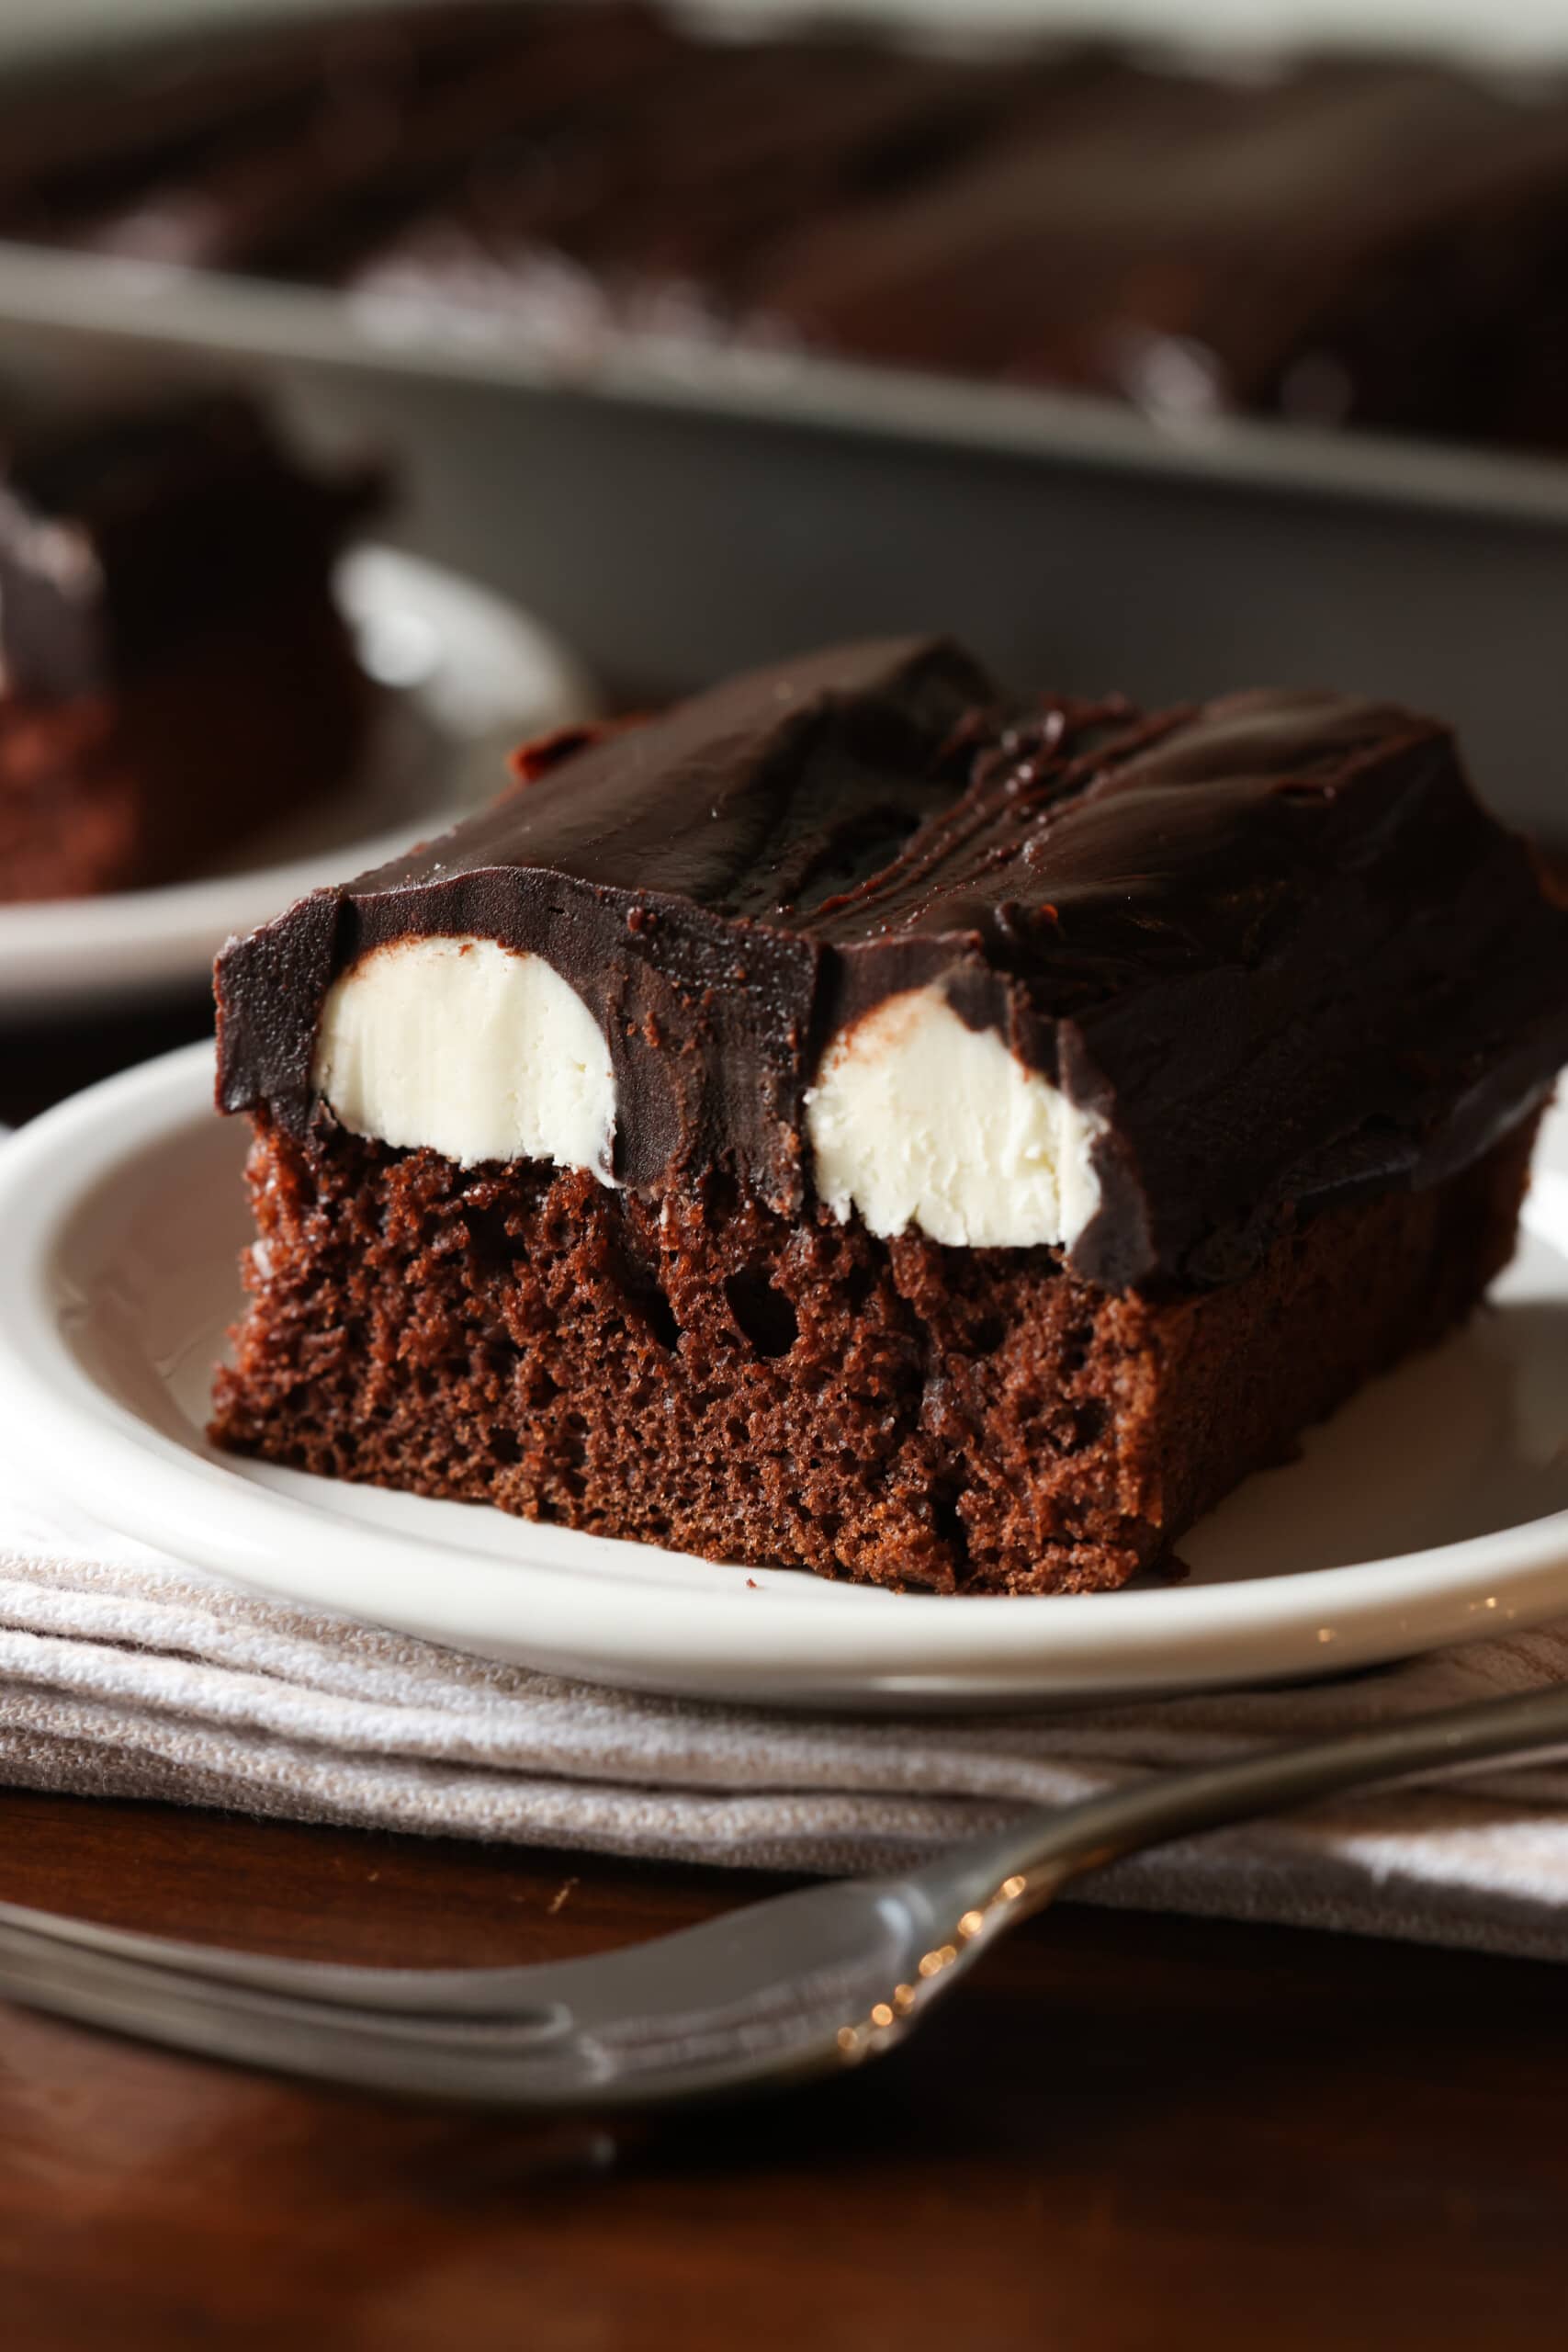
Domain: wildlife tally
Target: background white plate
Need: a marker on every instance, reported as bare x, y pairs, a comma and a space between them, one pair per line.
122, 1214
468, 676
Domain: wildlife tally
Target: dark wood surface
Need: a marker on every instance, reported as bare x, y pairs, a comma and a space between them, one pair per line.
1128, 2133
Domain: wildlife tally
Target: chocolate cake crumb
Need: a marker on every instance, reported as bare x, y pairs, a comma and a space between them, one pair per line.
705, 1372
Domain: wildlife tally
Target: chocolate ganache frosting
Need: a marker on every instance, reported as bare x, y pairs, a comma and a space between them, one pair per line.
1270, 948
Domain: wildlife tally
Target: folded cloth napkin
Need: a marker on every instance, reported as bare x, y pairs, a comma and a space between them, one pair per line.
123, 1675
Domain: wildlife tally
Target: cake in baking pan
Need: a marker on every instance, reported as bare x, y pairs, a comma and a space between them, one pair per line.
1372, 239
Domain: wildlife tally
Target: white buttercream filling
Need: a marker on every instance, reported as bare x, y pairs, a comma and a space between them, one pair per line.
917, 1119
469, 1049
479, 1052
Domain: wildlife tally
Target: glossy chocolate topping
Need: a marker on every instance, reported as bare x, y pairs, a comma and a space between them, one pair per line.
1273, 940
125, 534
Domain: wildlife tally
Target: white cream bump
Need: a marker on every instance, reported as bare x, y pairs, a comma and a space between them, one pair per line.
469, 1049
916, 1119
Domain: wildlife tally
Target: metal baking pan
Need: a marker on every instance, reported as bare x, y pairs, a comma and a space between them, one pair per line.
676, 514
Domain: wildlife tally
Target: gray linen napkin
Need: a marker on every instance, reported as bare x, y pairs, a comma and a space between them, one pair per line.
122, 1675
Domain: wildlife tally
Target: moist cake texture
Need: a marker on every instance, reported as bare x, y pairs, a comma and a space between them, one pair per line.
863, 1120
757, 1388
173, 671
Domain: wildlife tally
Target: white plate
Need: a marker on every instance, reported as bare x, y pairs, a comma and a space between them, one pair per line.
1447, 1484
468, 676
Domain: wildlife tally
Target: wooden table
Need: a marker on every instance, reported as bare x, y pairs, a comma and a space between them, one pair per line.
1131, 2131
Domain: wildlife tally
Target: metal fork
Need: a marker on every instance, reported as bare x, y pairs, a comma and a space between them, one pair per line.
803, 1985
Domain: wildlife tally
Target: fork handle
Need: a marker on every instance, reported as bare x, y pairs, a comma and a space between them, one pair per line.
1042, 1853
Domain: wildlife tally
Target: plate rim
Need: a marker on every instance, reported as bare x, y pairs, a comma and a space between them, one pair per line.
955, 1652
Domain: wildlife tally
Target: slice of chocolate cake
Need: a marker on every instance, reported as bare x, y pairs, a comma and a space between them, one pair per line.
859, 1121
173, 671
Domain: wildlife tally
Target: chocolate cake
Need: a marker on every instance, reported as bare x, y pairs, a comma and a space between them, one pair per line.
173, 671
1376, 239
863, 1120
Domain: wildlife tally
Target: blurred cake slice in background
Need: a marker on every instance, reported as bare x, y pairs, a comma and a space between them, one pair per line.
175, 673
